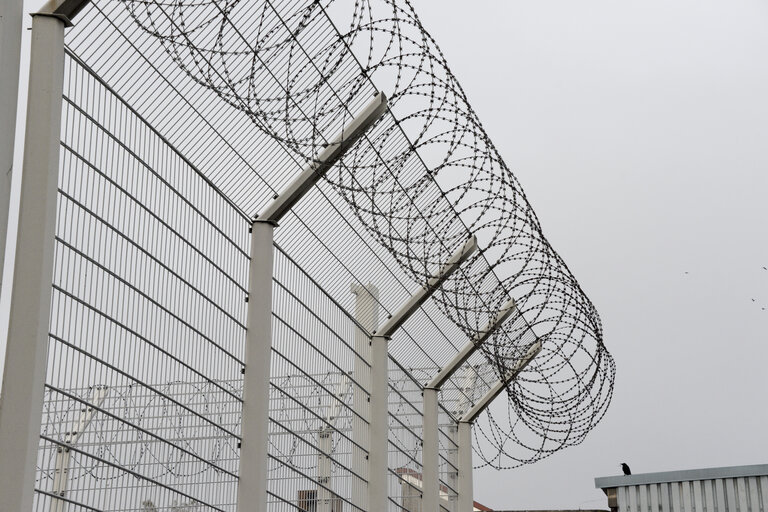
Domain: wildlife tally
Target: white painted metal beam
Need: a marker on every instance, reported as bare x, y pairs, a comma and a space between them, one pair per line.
325, 160
252, 486
64, 10
521, 363
10, 55
459, 359
378, 490
430, 454
418, 298
27, 341
430, 493
364, 396
465, 491
324, 495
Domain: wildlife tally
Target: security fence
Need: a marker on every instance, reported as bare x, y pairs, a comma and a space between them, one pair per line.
410, 284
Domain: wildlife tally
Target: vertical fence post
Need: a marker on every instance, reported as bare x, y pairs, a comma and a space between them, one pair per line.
252, 488
465, 499
10, 52
27, 343
367, 314
378, 492
430, 455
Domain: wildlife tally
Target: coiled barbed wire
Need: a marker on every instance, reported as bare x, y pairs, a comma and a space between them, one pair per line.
426, 177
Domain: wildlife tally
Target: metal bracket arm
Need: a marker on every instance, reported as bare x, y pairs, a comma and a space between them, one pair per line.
513, 372
418, 298
65, 10
459, 359
325, 160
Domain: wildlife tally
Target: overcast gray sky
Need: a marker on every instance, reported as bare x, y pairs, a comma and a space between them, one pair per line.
639, 131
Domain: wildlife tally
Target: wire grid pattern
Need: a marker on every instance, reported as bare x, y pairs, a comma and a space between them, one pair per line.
313, 441
147, 296
318, 434
405, 437
406, 402
419, 184
400, 218
328, 246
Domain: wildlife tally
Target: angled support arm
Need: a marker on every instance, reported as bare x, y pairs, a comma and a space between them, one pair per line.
459, 359
65, 10
325, 160
418, 298
492, 393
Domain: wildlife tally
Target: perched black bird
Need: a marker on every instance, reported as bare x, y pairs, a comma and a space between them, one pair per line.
625, 468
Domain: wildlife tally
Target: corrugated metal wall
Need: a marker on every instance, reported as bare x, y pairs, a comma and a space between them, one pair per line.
741, 494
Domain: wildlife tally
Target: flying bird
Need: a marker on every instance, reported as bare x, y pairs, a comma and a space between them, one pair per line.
625, 468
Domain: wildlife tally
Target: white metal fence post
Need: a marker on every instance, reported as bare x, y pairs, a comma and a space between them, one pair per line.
10, 54
430, 491
378, 492
367, 314
465, 499
252, 489
430, 455
22, 390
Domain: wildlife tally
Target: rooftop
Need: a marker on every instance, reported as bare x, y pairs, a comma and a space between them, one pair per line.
606, 482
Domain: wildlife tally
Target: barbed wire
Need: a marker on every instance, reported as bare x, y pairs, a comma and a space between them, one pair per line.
423, 180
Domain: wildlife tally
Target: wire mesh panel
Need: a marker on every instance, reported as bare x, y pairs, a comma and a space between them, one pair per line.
173, 140
147, 298
406, 417
448, 460
250, 92
318, 373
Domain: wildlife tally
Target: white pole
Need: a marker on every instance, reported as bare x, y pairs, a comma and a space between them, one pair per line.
252, 488
493, 323
27, 343
10, 51
367, 314
378, 491
430, 455
465, 491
